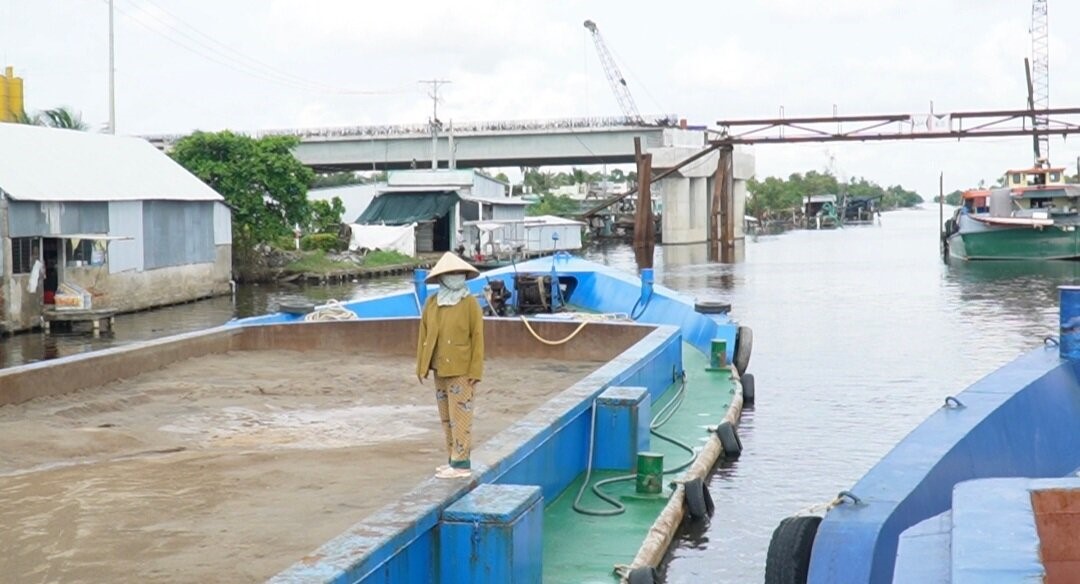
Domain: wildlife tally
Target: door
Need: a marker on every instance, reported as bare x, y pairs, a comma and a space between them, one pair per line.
53, 258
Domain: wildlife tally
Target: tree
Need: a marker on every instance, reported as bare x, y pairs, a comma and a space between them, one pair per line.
261, 180
337, 179
617, 175
549, 204
62, 118
326, 215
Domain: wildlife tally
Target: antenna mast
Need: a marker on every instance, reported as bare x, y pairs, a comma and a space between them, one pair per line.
1040, 78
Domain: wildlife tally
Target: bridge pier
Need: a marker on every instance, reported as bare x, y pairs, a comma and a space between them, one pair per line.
686, 195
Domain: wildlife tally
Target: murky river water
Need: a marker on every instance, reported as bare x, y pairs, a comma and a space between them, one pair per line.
859, 334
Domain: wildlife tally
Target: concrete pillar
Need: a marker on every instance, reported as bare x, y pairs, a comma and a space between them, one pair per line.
676, 209
699, 209
493, 534
623, 415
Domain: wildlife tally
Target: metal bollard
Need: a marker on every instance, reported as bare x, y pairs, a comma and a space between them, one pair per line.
1070, 322
650, 473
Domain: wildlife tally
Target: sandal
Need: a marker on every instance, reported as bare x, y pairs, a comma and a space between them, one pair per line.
454, 473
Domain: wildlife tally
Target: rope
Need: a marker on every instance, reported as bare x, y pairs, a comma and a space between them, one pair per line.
553, 343
332, 310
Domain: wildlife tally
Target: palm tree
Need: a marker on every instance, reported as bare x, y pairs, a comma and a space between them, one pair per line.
63, 118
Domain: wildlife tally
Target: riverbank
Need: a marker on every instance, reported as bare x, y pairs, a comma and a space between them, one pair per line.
317, 266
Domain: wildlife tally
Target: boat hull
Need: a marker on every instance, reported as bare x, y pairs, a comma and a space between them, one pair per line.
979, 241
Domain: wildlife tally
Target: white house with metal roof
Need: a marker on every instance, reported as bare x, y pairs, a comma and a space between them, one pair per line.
112, 215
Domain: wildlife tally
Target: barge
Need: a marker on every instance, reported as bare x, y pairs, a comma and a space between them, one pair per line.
294, 447
984, 490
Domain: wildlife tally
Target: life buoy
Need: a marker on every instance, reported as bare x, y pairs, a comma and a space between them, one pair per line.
788, 559
744, 346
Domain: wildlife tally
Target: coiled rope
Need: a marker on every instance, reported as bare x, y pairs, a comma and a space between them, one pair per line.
553, 343
332, 310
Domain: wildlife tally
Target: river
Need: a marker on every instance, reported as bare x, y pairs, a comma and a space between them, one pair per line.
859, 334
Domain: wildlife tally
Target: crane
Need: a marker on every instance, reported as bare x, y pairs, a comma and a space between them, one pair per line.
614, 76
1039, 79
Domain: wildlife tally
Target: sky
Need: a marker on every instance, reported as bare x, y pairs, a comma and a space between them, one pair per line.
261, 64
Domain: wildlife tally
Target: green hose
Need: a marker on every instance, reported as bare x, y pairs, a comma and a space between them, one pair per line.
662, 417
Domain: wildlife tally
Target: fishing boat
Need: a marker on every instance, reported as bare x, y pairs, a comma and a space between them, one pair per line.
984, 490
820, 212
298, 447
1033, 217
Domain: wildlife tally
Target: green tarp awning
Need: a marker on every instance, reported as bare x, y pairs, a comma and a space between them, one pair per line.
402, 208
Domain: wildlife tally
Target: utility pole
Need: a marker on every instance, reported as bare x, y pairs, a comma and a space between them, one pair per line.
435, 124
112, 71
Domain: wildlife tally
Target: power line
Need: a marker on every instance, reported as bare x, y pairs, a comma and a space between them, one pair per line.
218, 52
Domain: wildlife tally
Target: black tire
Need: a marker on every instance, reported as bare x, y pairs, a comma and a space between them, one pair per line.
712, 307
744, 346
643, 575
748, 388
729, 440
694, 493
709, 505
296, 307
788, 560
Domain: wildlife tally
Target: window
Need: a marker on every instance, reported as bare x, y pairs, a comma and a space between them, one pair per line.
24, 250
85, 252
1054, 177
1016, 178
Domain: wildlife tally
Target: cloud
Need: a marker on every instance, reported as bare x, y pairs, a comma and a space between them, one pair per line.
730, 64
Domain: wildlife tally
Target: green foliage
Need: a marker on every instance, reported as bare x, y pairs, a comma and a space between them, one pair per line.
953, 198
778, 195
337, 179
317, 262
326, 215
549, 204
380, 258
60, 118
261, 180
320, 242
285, 242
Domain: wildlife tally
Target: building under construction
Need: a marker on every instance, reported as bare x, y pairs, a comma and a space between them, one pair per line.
11, 96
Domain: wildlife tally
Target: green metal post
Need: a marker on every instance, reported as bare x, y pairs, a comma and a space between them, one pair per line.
650, 473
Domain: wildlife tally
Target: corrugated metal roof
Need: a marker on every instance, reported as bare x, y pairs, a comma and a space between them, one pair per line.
43, 164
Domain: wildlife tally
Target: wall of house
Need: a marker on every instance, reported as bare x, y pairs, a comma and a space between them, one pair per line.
134, 290
175, 252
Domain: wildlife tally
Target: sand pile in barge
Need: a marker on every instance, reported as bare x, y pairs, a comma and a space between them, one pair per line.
228, 467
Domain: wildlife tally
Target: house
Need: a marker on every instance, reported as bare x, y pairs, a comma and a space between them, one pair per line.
112, 215
439, 203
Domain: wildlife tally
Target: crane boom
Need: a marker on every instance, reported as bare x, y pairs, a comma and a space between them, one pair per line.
614, 76
1040, 78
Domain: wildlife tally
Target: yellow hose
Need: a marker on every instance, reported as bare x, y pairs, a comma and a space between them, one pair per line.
559, 342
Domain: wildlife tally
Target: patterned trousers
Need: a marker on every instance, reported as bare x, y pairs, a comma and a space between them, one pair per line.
454, 396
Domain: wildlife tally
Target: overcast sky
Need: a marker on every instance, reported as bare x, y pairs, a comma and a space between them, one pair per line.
259, 64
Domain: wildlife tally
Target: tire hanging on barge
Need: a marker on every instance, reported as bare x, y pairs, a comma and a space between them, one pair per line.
788, 559
729, 440
748, 388
744, 346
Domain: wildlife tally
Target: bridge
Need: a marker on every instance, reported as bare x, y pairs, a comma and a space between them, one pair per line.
569, 141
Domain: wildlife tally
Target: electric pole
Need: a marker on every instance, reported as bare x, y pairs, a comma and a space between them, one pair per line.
435, 124
112, 73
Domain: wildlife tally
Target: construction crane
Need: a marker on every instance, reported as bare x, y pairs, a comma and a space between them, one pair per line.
1038, 77
614, 76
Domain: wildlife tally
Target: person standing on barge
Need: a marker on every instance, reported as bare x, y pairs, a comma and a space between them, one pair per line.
451, 343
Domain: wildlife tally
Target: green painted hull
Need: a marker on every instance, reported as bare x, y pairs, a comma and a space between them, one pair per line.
1016, 244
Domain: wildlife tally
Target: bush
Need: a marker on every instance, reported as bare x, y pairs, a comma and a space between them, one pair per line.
320, 241
379, 258
284, 242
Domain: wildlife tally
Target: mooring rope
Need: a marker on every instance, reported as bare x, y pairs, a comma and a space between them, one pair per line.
553, 343
333, 310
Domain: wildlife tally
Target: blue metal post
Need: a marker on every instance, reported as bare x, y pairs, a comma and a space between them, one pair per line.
554, 287
647, 280
494, 534
623, 415
1070, 322
419, 275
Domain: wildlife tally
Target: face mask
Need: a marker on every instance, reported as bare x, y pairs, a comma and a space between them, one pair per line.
453, 281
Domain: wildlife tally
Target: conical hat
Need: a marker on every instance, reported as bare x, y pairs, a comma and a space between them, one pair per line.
450, 263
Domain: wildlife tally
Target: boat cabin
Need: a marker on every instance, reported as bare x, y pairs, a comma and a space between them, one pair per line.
813, 204
1035, 177
977, 201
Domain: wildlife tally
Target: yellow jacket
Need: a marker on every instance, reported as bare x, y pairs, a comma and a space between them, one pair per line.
451, 339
